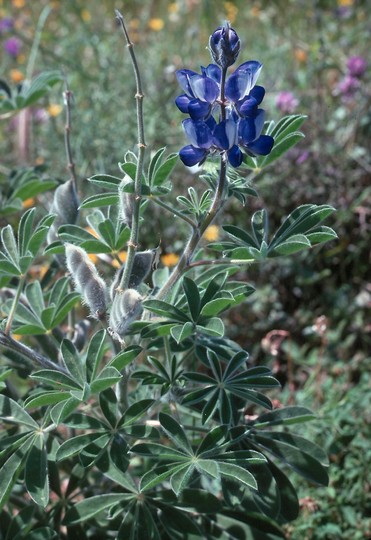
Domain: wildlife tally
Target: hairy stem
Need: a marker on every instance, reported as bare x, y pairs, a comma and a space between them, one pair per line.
134, 235
67, 95
36, 358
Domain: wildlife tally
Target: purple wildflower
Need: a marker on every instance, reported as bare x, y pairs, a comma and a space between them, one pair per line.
357, 66
286, 102
6, 24
12, 46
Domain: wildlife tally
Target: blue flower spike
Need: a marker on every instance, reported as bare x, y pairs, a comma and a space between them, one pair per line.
225, 117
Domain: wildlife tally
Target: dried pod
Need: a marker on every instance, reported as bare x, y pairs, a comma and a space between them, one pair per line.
65, 206
142, 265
126, 202
87, 280
126, 307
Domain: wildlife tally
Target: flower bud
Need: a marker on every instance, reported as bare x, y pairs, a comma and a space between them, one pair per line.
87, 280
126, 307
65, 206
126, 202
224, 46
142, 265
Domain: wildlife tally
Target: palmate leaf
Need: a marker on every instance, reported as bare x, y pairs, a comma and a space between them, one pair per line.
92, 506
12, 412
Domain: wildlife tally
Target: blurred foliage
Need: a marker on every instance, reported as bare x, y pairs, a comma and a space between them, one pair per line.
312, 319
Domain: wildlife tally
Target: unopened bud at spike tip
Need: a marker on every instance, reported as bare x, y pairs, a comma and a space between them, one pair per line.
224, 46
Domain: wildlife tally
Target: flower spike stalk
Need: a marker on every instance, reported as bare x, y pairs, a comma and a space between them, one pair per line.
224, 118
134, 235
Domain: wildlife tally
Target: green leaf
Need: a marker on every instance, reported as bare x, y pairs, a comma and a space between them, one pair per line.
105, 379
103, 199
105, 181
216, 306
163, 171
46, 398
259, 226
125, 357
25, 230
180, 479
109, 406
10, 244
182, 331
281, 147
287, 124
175, 431
166, 310
62, 410
213, 327
135, 411
154, 164
88, 508
293, 244
321, 234
302, 462
13, 413
284, 416
95, 353
36, 472
156, 476
237, 474
75, 445
72, 360
11, 470
193, 297
56, 378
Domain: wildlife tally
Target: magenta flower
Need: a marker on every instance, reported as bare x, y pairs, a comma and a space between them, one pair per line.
286, 102
357, 66
12, 46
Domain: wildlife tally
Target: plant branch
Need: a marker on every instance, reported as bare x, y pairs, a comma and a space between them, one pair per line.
134, 235
11, 344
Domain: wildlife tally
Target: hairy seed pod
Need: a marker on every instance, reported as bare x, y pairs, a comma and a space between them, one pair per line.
81, 334
126, 307
66, 208
87, 280
142, 265
126, 202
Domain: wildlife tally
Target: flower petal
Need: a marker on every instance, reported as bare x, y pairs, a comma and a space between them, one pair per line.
198, 110
235, 156
198, 133
261, 146
183, 76
182, 102
190, 155
213, 72
204, 88
258, 92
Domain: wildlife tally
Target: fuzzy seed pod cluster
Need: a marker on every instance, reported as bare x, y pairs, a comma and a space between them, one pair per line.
126, 307
87, 280
65, 206
142, 265
126, 202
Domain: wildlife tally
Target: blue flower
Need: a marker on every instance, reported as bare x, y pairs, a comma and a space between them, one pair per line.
227, 119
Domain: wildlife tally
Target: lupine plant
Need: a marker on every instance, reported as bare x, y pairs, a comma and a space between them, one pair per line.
127, 412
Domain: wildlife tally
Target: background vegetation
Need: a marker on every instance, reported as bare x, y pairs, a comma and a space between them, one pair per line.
309, 319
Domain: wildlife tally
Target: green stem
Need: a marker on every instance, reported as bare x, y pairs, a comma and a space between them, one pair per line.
159, 202
36, 42
134, 235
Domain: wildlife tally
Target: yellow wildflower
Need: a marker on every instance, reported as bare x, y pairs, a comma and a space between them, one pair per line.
29, 203
345, 3
169, 259
86, 15
122, 255
156, 24
39, 160
231, 11
21, 59
91, 231
54, 109
212, 233
19, 3
300, 55
255, 11
173, 7
93, 257
16, 76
